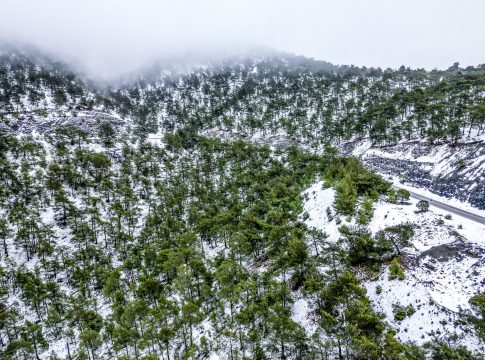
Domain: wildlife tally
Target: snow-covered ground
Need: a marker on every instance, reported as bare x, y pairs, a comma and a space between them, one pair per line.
319, 199
29, 122
455, 173
444, 267
425, 192
429, 321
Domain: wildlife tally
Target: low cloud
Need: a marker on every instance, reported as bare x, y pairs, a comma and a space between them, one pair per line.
111, 37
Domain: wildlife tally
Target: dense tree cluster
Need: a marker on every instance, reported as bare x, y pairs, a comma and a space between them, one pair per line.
308, 101
118, 247
141, 251
35, 82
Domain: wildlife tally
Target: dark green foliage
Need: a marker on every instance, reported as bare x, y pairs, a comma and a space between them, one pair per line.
478, 303
362, 248
393, 239
158, 274
401, 312
396, 271
353, 180
164, 285
346, 315
395, 350
392, 196
112, 247
107, 134
366, 211
443, 351
403, 195
335, 104
422, 205
346, 199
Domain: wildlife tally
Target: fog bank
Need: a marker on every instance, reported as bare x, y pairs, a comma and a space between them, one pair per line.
111, 37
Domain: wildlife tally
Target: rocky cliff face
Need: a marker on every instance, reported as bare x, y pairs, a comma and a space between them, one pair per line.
450, 171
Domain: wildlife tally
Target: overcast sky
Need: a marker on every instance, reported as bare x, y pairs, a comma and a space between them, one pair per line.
108, 36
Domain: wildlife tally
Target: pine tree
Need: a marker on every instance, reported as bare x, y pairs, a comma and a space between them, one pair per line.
346, 198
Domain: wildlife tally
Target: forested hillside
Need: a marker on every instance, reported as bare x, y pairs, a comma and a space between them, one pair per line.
305, 99
119, 245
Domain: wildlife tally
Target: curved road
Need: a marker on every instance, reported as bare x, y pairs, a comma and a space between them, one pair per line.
451, 209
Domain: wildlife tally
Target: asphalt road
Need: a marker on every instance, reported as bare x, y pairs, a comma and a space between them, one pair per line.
449, 208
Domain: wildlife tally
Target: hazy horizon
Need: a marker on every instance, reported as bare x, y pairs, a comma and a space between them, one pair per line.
110, 38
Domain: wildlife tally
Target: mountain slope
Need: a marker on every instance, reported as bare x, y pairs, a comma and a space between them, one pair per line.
207, 215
